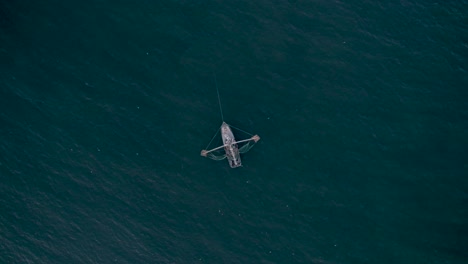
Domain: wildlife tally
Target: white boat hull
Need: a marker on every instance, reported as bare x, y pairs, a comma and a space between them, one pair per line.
230, 146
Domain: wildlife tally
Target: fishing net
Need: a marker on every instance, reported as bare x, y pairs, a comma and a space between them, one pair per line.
216, 156
246, 147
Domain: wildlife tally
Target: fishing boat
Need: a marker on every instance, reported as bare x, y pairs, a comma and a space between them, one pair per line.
232, 148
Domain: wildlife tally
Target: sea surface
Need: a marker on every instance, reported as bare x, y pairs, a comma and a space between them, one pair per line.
361, 106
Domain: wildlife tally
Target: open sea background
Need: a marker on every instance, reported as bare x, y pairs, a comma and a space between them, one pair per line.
361, 106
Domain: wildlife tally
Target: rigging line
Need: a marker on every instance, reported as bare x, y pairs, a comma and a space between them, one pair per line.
241, 130
219, 100
217, 131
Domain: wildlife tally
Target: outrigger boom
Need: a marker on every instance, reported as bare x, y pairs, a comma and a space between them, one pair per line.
255, 138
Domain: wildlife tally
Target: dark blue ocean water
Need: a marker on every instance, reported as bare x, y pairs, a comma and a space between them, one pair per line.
361, 106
